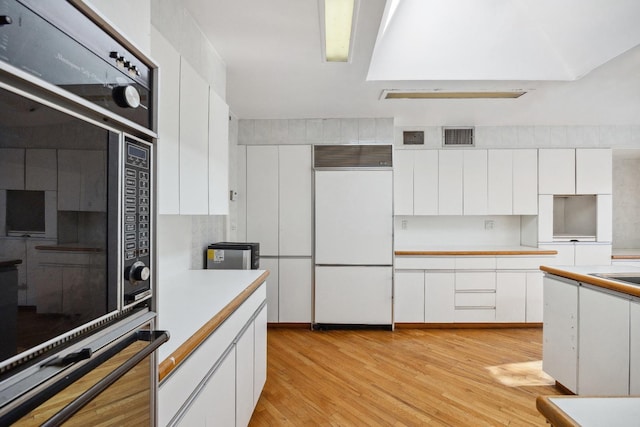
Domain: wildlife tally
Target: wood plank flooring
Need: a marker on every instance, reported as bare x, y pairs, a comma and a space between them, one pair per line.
409, 377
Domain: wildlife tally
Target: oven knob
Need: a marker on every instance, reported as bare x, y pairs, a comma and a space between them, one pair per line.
5, 20
138, 272
126, 96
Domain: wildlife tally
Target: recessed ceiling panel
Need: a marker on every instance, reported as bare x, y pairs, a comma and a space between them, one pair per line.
501, 39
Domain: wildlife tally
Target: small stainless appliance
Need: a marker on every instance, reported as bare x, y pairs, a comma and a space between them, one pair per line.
233, 256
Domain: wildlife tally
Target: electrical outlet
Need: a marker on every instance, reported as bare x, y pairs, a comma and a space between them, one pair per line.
488, 224
404, 224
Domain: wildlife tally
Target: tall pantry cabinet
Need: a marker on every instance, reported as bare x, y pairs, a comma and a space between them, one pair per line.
279, 217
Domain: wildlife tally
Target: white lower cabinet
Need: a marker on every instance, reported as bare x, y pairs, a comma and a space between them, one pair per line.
603, 344
590, 342
560, 332
409, 296
289, 289
511, 296
505, 289
221, 381
634, 348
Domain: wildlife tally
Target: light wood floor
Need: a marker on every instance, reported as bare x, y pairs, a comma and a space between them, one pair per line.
410, 377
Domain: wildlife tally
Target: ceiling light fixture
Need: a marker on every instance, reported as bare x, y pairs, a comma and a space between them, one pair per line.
439, 94
337, 28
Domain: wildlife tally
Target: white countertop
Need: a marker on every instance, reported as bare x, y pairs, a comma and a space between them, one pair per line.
189, 300
601, 411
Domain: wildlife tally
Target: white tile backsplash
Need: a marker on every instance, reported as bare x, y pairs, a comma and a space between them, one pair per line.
366, 130
314, 130
297, 129
331, 130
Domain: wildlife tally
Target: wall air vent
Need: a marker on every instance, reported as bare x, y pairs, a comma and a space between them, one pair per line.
413, 137
457, 137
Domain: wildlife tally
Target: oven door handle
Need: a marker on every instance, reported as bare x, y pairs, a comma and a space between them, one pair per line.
156, 339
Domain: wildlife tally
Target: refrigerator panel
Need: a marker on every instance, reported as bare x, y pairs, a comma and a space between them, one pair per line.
354, 218
353, 295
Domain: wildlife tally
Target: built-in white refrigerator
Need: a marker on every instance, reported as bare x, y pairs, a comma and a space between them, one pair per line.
353, 236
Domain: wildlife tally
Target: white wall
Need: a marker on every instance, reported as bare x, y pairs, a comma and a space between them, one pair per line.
626, 199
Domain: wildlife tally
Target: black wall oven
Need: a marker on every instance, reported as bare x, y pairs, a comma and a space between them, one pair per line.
76, 183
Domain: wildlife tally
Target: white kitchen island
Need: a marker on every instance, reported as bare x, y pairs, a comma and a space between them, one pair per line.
213, 368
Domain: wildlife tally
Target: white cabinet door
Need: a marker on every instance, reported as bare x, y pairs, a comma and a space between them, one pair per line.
41, 170
475, 280
500, 177
295, 201
82, 184
425, 182
219, 396
218, 155
450, 182
604, 218
260, 356
634, 348
565, 255
511, 296
603, 347
593, 171
194, 142
262, 198
556, 171
353, 295
560, 332
244, 377
475, 182
168, 147
545, 218
534, 303
439, 296
403, 182
525, 182
273, 286
294, 290
408, 296
592, 254
11, 169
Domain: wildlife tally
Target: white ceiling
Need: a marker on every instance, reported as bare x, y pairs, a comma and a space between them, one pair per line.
579, 60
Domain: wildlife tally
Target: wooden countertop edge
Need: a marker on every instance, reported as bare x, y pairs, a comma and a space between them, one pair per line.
186, 348
625, 256
593, 280
554, 415
479, 252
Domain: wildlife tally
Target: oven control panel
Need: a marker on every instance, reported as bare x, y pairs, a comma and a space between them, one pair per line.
136, 228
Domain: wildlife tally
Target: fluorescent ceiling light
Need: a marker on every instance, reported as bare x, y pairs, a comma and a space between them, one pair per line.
438, 94
338, 28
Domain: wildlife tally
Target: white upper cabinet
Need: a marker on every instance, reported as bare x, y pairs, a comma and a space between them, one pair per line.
218, 155
425, 182
11, 169
403, 182
450, 182
41, 170
525, 182
556, 171
500, 179
475, 182
194, 141
168, 147
593, 171
575, 171
82, 184
295, 200
262, 198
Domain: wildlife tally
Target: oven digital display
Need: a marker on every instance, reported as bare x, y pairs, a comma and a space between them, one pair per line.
136, 152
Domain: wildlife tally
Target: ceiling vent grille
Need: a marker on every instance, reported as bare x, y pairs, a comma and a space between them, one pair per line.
457, 137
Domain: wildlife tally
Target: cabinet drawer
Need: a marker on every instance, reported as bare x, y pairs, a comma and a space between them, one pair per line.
475, 262
523, 263
425, 263
475, 315
478, 280
475, 299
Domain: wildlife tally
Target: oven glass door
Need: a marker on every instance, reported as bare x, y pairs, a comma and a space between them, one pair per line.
58, 223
